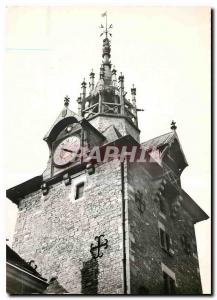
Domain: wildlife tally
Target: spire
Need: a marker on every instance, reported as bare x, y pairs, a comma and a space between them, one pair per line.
106, 50
107, 96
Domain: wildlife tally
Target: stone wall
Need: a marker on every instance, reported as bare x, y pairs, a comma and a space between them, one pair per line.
146, 254
56, 231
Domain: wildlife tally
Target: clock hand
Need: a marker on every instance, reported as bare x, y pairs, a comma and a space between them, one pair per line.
67, 150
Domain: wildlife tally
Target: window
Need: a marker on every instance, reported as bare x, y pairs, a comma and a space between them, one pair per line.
79, 190
165, 240
169, 284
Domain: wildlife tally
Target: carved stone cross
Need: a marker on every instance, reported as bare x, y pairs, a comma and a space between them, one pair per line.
96, 250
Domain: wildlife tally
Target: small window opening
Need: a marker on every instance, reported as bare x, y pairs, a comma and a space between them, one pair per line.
79, 190
169, 284
164, 240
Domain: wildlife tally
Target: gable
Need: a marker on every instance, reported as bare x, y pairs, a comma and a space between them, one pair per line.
169, 150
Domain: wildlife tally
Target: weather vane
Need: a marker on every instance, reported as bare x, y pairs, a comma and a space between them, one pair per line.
106, 30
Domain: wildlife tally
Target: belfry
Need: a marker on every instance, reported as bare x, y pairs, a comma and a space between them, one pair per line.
106, 102
114, 226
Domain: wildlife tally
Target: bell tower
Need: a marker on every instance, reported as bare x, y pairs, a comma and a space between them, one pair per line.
106, 105
115, 226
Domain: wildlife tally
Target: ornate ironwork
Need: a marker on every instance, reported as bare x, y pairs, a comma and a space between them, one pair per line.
106, 27
96, 250
33, 264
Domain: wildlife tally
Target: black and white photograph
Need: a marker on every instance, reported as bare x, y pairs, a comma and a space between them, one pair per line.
107, 149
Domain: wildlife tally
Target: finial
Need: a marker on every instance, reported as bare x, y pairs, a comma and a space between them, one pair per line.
91, 83
133, 94
66, 101
92, 74
83, 88
133, 90
83, 84
114, 71
173, 125
106, 42
114, 77
121, 77
79, 101
121, 93
107, 29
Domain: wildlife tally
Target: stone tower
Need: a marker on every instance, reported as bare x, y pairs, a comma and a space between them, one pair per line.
115, 226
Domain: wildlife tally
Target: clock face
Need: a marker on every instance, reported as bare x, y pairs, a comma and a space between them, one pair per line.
66, 151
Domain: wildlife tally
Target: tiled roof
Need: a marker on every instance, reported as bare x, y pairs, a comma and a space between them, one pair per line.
65, 113
158, 141
15, 259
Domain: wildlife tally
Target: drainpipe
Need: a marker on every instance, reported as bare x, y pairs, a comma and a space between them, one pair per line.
123, 226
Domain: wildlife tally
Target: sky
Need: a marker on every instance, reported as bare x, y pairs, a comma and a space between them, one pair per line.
164, 51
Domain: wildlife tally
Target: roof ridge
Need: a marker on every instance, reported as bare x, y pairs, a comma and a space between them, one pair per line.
171, 132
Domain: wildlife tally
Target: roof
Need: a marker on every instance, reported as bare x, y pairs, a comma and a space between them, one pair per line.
13, 258
63, 119
22, 278
65, 113
25, 188
170, 138
159, 140
111, 133
195, 211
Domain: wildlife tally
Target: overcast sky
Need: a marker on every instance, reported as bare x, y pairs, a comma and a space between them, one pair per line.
164, 51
